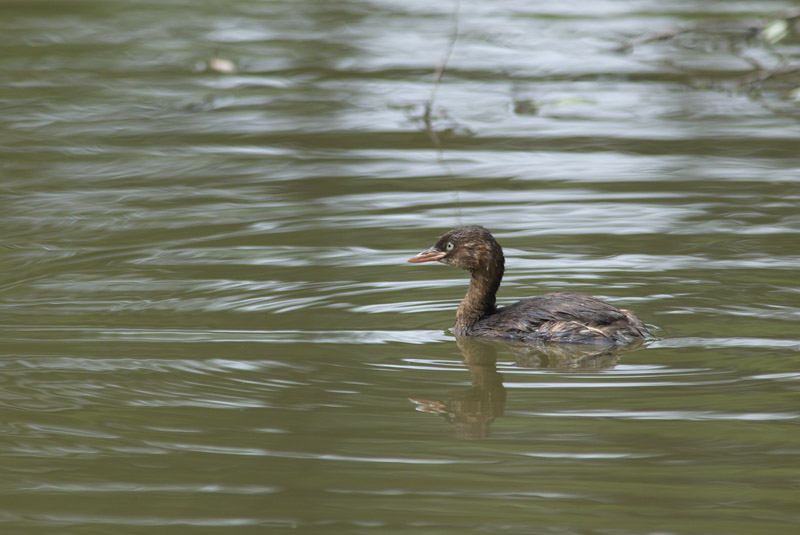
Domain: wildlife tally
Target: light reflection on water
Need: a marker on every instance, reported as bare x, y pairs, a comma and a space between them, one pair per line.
206, 304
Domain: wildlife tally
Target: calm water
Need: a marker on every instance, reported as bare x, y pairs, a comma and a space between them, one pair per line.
208, 324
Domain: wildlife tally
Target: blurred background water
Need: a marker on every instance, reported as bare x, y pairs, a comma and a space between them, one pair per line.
208, 325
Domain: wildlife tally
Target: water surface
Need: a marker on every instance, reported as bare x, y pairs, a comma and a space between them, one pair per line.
208, 324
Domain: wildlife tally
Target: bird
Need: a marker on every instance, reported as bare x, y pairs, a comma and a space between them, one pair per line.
560, 317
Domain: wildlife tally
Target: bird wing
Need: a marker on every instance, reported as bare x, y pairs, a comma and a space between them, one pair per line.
557, 317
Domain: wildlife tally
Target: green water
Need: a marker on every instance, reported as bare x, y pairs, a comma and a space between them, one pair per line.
208, 324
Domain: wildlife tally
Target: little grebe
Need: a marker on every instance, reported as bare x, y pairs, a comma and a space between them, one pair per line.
564, 317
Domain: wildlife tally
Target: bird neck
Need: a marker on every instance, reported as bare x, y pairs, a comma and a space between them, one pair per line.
480, 299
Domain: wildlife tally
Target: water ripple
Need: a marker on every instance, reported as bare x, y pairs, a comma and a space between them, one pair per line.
229, 450
670, 415
120, 487
739, 342
224, 336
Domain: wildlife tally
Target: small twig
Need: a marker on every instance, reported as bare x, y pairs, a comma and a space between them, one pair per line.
437, 77
427, 116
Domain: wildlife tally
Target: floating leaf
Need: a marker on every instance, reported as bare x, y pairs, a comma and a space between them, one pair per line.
221, 65
775, 31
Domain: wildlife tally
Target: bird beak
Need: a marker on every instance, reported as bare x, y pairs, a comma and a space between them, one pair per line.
428, 255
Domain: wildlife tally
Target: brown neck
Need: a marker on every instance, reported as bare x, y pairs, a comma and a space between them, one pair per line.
480, 299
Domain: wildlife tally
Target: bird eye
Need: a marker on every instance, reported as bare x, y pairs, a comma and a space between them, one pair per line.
450, 246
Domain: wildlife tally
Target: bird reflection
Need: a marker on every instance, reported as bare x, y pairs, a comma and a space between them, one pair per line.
470, 412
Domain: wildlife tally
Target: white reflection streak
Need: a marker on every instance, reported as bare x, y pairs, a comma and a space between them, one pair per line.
418, 336
586, 456
670, 415
648, 384
726, 343
139, 487
261, 452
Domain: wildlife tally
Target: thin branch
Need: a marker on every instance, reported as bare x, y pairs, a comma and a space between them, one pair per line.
439, 73
428, 115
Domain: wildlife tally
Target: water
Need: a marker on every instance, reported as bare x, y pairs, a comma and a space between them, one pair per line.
208, 324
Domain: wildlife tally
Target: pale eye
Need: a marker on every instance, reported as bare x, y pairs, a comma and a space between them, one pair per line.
450, 246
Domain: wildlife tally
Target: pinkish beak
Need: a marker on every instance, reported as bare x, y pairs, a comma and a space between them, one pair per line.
428, 255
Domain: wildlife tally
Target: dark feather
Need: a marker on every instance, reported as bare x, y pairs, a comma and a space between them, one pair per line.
561, 317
